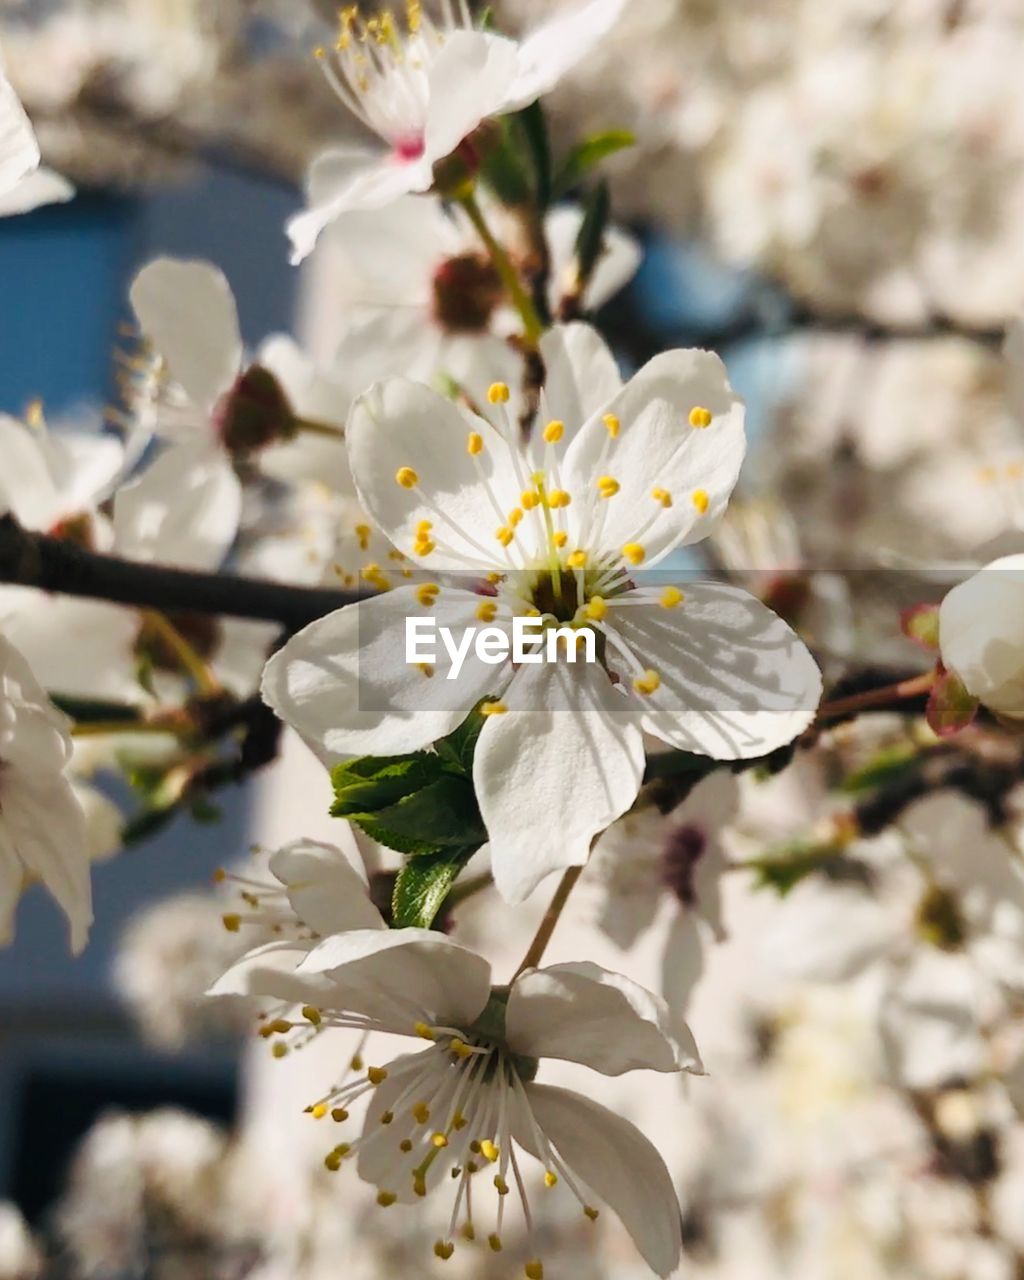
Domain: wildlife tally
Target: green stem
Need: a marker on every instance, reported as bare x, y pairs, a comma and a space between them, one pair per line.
533, 328
312, 427
540, 942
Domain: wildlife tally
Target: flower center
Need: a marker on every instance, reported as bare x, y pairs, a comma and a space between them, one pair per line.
679, 861
467, 292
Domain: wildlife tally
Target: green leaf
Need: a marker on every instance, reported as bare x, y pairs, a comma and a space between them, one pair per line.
505, 168
921, 624
423, 885
587, 156
459, 748
442, 815
886, 767
590, 242
950, 708
534, 125
372, 783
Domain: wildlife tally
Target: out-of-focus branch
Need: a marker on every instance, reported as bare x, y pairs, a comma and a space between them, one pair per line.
35, 560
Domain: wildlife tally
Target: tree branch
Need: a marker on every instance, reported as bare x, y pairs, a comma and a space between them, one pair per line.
35, 560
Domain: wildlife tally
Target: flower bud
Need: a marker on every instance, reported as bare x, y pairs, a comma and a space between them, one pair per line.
981, 636
255, 413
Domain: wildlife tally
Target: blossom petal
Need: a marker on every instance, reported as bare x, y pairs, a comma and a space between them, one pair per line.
736, 682
27, 486
615, 1161
603, 1020
401, 976
187, 311
37, 189
554, 49
981, 635
327, 891
658, 448
19, 150
270, 971
349, 178
344, 684
582, 375
400, 424
554, 772
616, 266
184, 510
469, 81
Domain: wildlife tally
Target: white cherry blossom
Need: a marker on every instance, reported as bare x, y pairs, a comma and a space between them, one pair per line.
424, 86
981, 635
618, 478
23, 185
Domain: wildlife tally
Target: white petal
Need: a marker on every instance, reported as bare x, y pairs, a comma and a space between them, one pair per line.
390, 255
27, 486
104, 822
270, 971
658, 448
19, 151
34, 191
400, 976
617, 265
582, 375
327, 891
555, 771
183, 510
403, 424
348, 178
469, 81
981, 635
344, 684
561, 44
86, 467
187, 311
617, 1162
682, 961
736, 682
603, 1020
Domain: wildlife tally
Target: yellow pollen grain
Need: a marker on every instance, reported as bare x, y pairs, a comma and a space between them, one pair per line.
423, 529
550, 1179
488, 709
515, 517
560, 538
554, 432
426, 669
387, 1118
339, 1115
459, 1047
386, 1199
500, 1185
506, 536
634, 553
405, 1145
494, 1242
406, 477
312, 1015
425, 1032
232, 923
421, 1113
332, 1162
468, 1232
608, 486
592, 1213
499, 393
377, 1075
475, 444
612, 425
459, 1122
280, 1050
363, 532
423, 547
530, 499
444, 1249
701, 500
662, 496
487, 611
219, 876
439, 1141
489, 1151
578, 560
494, 578
648, 683
558, 499
319, 1111
427, 594
357, 1063
671, 598
534, 1270
700, 417
597, 609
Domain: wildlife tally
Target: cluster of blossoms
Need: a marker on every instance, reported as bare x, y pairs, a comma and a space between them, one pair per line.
252, 545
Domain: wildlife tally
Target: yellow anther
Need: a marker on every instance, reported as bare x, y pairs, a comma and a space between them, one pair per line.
597, 609
701, 500
423, 547
499, 393
332, 1162
487, 611
440, 1141
444, 1249
423, 529
425, 1032
592, 1213
357, 1063
475, 444
662, 496
312, 1015
459, 1122
427, 594
671, 598
414, 15
387, 1118
634, 553
530, 499
426, 669
319, 1111
377, 1075
219, 876
281, 1026
612, 425
280, 1049
488, 709
494, 1241
554, 432
406, 477
550, 1179
560, 538
363, 532
339, 1115
320, 52
700, 417
232, 923
578, 560
421, 1113
500, 1185
489, 1151
515, 517
506, 536
386, 1199
608, 486
534, 1270
468, 1232
648, 683
558, 498
405, 1145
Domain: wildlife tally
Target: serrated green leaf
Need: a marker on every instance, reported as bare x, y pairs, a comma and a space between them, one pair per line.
442, 815
423, 885
587, 156
459, 748
366, 785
